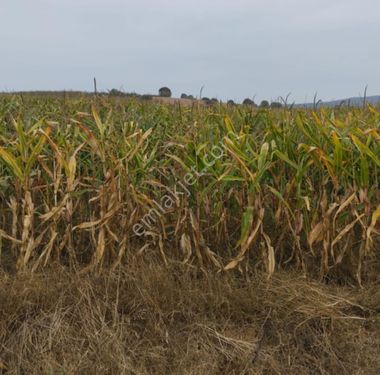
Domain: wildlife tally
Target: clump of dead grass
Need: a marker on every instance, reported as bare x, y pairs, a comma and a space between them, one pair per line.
148, 319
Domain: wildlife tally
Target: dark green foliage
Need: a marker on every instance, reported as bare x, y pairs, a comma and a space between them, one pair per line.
165, 92
276, 105
116, 92
264, 104
249, 102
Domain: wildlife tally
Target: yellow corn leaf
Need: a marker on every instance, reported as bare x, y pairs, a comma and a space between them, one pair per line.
375, 218
12, 163
139, 144
364, 149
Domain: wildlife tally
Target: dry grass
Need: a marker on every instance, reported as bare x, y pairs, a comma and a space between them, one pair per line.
148, 319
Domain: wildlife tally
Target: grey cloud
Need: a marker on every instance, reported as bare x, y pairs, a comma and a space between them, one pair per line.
236, 48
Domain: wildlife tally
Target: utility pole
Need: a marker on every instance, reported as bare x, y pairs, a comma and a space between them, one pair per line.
95, 87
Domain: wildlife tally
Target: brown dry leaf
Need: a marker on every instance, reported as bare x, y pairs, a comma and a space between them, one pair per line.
10, 238
371, 228
88, 224
99, 252
162, 251
212, 257
271, 261
185, 244
345, 204
316, 234
231, 265
3, 366
55, 210
345, 231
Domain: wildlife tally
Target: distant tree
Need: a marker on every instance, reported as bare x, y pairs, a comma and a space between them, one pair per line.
132, 94
115, 92
206, 100
249, 102
276, 105
146, 97
165, 92
214, 101
185, 96
231, 102
264, 104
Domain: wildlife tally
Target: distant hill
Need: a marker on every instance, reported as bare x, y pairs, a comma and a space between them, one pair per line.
353, 102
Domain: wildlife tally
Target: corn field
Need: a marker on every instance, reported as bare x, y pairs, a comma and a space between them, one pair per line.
284, 188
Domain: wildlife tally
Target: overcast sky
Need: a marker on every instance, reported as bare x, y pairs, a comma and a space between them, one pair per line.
235, 48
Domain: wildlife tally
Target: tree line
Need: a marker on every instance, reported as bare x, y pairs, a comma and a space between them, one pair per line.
165, 92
